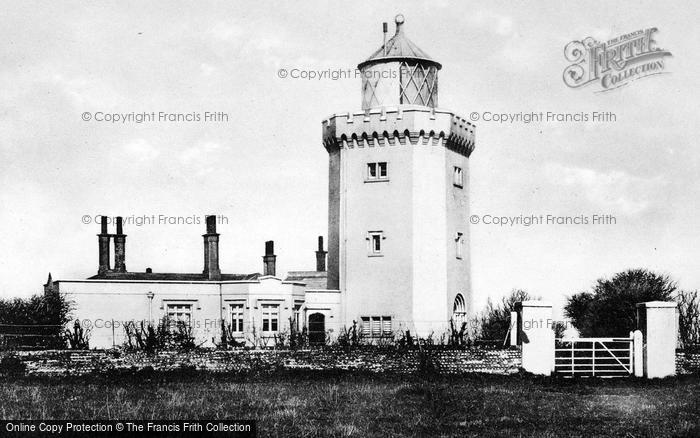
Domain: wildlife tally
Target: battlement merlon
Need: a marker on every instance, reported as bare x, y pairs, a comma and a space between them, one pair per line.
391, 125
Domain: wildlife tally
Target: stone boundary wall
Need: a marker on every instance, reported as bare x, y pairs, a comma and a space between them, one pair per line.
68, 362
687, 363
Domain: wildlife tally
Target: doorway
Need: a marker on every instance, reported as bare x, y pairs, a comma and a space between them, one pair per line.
317, 329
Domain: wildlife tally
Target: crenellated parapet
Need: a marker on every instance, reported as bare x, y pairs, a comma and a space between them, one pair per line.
400, 125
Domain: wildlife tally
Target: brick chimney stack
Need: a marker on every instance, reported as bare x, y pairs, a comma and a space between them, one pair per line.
270, 259
119, 247
211, 250
321, 256
103, 240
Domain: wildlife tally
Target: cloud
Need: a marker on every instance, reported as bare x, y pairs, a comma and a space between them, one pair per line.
207, 69
140, 151
201, 159
87, 93
617, 190
491, 21
226, 31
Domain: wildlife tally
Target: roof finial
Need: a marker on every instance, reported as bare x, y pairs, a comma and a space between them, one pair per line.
399, 21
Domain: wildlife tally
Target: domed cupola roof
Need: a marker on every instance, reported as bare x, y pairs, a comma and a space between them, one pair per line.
399, 48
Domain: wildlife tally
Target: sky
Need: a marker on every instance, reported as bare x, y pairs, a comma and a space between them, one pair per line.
265, 169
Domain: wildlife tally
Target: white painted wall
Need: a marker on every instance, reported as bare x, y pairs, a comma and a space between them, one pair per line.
105, 305
419, 211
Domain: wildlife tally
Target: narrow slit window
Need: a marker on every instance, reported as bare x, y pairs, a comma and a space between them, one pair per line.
458, 179
375, 242
382, 170
459, 241
371, 170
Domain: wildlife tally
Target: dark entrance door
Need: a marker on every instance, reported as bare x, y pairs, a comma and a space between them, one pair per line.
317, 329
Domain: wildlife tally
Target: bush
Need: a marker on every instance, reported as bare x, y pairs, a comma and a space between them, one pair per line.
165, 335
458, 335
182, 337
146, 337
228, 337
35, 322
611, 308
350, 338
428, 365
12, 365
79, 338
495, 321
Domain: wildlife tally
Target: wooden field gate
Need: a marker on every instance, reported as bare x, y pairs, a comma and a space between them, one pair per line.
599, 357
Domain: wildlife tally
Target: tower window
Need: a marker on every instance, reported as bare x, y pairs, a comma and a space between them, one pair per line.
459, 311
374, 239
458, 177
459, 242
377, 171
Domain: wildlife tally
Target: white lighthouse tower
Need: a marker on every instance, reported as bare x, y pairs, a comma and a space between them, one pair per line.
399, 198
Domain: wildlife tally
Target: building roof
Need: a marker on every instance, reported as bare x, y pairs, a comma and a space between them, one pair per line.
399, 48
170, 276
312, 279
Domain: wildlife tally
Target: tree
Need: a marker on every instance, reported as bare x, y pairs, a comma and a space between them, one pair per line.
495, 320
611, 308
38, 321
688, 318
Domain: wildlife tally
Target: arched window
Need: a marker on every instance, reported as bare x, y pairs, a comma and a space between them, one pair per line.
459, 311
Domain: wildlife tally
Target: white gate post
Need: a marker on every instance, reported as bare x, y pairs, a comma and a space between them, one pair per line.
657, 321
536, 337
638, 353
513, 329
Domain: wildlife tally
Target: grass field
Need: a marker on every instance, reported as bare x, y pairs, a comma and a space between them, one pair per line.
365, 405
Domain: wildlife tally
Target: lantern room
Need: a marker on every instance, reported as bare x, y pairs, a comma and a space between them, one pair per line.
399, 73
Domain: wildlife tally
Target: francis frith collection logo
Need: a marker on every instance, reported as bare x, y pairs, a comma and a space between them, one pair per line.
616, 62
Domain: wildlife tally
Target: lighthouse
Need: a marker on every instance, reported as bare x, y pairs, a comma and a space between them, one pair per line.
398, 228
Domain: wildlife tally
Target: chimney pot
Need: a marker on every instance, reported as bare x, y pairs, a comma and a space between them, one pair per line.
103, 240
211, 250
211, 224
103, 224
119, 247
320, 256
269, 259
